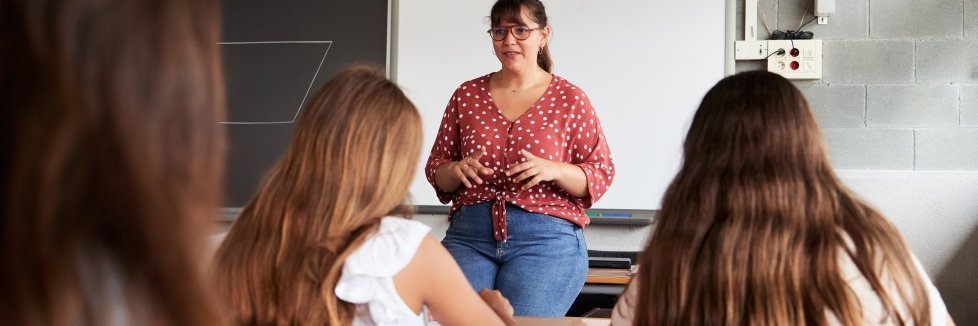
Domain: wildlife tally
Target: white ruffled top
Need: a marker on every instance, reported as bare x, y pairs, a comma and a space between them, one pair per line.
367, 279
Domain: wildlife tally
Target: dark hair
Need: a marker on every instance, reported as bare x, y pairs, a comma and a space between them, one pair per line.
753, 227
350, 163
512, 11
111, 161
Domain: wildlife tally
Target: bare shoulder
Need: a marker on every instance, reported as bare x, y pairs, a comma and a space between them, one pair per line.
411, 282
432, 255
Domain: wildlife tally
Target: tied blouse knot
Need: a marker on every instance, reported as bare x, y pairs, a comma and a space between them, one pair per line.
560, 126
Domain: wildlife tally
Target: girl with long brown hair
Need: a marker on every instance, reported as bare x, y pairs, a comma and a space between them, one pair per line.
323, 243
756, 229
111, 161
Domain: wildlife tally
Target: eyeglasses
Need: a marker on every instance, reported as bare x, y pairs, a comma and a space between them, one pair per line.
519, 32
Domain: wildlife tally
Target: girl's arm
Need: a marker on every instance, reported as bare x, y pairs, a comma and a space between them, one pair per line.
433, 279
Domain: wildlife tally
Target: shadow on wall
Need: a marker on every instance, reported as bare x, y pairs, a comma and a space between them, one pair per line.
959, 282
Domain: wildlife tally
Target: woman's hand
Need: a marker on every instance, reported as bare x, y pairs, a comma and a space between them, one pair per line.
467, 169
499, 304
534, 169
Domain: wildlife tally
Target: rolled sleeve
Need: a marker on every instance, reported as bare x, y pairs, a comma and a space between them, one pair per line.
591, 153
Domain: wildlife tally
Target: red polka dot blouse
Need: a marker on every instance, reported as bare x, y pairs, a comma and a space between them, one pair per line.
560, 126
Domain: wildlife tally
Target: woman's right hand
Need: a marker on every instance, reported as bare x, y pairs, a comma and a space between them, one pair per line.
499, 304
468, 169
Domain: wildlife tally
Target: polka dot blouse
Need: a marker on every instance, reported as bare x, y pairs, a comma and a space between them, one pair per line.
560, 126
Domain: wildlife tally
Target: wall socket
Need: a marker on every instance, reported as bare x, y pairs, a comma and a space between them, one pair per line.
750, 50
802, 59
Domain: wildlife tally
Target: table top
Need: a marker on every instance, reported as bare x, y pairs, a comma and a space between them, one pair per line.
610, 275
566, 321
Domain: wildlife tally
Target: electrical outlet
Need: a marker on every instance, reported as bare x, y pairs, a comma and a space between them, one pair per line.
750, 50
802, 59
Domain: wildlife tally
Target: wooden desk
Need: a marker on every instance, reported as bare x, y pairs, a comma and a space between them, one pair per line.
609, 275
566, 321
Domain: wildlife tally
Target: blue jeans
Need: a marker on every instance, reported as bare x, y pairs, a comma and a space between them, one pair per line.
540, 269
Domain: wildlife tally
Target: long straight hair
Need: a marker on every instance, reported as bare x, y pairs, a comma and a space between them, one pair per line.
350, 163
112, 161
753, 227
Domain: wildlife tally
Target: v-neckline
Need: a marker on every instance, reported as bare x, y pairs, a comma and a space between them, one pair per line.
499, 111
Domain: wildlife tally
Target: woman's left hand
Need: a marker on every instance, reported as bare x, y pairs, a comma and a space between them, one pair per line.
534, 169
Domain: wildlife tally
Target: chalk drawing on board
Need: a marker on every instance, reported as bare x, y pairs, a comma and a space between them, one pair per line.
255, 64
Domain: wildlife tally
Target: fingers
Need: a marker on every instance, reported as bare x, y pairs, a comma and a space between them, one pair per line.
473, 161
520, 168
477, 166
497, 302
457, 170
469, 172
529, 162
528, 173
533, 182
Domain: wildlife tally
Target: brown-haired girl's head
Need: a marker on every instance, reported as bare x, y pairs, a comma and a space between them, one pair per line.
351, 161
755, 225
112, 160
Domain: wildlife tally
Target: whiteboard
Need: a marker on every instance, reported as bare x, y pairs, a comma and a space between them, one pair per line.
644, 64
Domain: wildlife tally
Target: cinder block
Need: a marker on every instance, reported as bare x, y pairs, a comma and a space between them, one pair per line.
850, 20
870, 149
971, 23
947, 149
914, 105
836, 106
867, 61
969, 105
914, 18
947, 60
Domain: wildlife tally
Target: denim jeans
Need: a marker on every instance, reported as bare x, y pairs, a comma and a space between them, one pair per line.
541, 267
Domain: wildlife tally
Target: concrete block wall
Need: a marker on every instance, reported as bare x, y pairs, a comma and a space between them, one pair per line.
900, 80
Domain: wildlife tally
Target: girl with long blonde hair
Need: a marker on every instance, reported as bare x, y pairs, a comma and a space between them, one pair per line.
756, 229
324, 241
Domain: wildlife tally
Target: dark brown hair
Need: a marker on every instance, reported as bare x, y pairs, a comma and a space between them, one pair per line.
753, 227
350, 163
512, 11
112, 160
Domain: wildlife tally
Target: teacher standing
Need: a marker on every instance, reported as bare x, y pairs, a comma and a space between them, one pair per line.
521, 154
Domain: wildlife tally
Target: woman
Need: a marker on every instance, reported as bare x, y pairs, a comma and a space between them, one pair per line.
756, 229
521, 155
321, 242
112, 158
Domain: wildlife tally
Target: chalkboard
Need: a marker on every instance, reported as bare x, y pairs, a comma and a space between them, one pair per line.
645, 65
276, 55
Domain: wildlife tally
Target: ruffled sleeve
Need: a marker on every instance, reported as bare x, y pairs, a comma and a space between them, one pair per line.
367, 276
